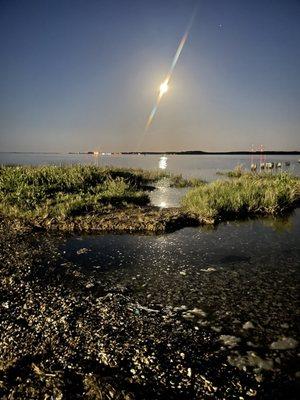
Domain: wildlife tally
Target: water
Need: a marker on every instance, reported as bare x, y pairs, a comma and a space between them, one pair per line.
172, 268
201, 166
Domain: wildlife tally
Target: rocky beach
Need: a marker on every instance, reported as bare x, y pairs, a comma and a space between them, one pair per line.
137, 317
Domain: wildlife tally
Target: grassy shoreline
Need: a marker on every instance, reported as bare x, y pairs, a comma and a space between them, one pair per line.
246, 194
101, 199
86, 199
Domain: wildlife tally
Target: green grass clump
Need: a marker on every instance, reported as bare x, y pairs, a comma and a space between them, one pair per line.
51, 196
62, 192
236, 173
247, 195
178, 181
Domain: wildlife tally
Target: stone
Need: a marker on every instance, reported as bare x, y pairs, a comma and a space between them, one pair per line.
285, 343
248, 325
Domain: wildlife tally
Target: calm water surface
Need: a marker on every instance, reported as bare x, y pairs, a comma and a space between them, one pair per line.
168, 266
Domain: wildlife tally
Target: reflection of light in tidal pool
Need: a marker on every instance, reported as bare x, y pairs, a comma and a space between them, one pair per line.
163, 162
162, 196
165, 196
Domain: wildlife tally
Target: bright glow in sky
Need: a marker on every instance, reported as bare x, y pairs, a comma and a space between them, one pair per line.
164, 87
82, 75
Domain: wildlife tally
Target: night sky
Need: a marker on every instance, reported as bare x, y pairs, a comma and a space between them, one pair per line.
80, 75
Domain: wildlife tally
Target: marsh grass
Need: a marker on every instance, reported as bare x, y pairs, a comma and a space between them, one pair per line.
248, 194
30, 192
237, 172
47, 193
178, 181
98, 198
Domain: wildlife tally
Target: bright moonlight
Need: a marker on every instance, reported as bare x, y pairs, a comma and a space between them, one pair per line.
164, 87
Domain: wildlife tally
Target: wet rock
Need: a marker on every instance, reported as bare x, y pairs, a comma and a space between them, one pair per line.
5, 304
250, 360
181, 308
230, 341
285, 343
208, 384
209, 269
248, 325
284, 326
147, 309
198, 312
251, 392
188, 316
83, 250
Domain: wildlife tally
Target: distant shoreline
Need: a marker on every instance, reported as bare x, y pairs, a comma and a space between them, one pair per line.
188, 152
196, 152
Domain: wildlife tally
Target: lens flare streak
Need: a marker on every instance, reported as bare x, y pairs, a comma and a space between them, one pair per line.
166, 81
164, 85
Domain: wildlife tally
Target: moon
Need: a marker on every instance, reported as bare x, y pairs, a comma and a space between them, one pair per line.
164, 87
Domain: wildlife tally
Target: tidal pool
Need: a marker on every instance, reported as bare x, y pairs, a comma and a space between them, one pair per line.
234, 264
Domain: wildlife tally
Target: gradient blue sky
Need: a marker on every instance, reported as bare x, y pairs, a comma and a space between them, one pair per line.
82, 74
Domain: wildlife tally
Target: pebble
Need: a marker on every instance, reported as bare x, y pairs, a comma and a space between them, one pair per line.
250, 360
230, 341
248, 325
209, 269
284, 326
82, 251
251, 392
197, 312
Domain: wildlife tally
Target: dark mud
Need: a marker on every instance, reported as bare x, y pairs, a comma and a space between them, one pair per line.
129, 219
192, 315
